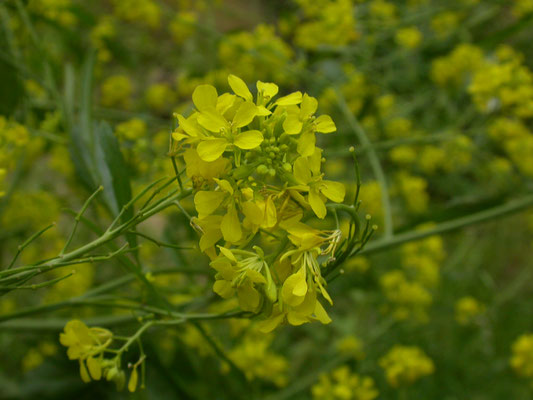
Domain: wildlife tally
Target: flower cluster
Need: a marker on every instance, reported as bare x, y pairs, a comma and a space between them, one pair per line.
88, 346
522, 359
408, 290
342, 384
404, 365
468, 309
256, 173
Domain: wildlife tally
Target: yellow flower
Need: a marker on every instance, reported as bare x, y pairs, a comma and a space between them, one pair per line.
307, 175
86, 345
404, 365
467, 309
342, 384
522, 355
409, 37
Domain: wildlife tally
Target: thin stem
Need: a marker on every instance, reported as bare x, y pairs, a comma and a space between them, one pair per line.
374, 162
27, 242
78, 217
510, 207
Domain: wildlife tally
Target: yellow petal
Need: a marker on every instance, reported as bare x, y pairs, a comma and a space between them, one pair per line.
249, 298
231, 226
206, 202
268, 90
321, 314
271, 217
245, 114
263, 111
289, 100
212, 120
227, 253
223, 289
239, 87
308, 106
204, 96
248, 140
224, 185
334, 191
252, 211
84, 373
292, 125
255, 276
271, 323
211, 149
189, 126
301, 170
316, 203
306, 144
294, 288
324, 124
95, 368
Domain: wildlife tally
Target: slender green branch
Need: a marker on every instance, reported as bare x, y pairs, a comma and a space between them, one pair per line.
374, 162
78, 217
510, 207
27, 242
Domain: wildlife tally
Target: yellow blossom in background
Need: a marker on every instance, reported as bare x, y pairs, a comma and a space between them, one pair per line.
351, 345
56, 10
404, 365
445, 23
160, 97
253, 357
522, 355
413, 190
326, 23
343, 384
143, 12
409, 37
116, 91
405, 299
183, 26
260, 54
467, 309
101, 33
383, 12
522, 8
134, 129
456, 67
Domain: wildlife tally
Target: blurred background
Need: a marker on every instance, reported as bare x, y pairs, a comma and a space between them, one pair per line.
436, 97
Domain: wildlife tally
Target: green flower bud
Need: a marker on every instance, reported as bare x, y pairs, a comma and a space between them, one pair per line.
262, 169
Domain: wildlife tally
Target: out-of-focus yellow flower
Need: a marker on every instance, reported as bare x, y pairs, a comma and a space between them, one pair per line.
342, 384
409, 37
445, 23
350, 345
467, 309
253, 356
406, 299
116, 91
521, 8
455, 68
183, 26
405, 365
143, 12
160, 97
327, 23
56, 10
413, 190
522, 355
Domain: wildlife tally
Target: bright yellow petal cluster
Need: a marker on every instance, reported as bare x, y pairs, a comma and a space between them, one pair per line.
256, 171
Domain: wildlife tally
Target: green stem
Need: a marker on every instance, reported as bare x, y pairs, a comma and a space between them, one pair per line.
374, 162
510, 207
